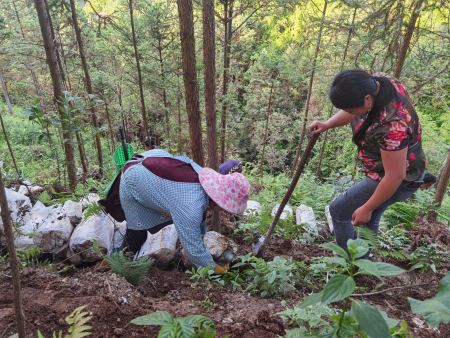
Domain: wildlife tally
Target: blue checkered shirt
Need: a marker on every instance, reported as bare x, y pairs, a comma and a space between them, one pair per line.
149, 200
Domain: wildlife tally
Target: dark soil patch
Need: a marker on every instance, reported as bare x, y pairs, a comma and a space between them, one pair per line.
48, 298
113, 302
429, 232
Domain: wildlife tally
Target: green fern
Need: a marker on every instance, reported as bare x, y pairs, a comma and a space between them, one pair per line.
77, 321
92, 209
368, 235
195, 326
132, 271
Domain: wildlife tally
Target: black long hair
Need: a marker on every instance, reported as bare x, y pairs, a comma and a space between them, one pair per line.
349, 88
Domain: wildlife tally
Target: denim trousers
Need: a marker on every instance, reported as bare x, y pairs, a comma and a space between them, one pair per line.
342, 208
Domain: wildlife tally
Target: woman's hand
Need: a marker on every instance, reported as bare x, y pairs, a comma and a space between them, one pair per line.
317, 127
361, 216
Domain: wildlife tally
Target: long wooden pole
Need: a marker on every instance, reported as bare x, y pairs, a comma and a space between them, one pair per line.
6, 217
301, 166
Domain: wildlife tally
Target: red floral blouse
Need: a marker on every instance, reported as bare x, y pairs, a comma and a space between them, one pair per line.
397, 127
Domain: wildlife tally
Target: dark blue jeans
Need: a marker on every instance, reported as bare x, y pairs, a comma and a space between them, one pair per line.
342, 208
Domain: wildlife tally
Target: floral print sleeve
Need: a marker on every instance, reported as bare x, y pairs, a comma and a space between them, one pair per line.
393, 136
397, 127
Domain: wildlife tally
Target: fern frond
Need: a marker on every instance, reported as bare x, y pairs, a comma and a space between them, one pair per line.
132, 271
368, 235
77, 321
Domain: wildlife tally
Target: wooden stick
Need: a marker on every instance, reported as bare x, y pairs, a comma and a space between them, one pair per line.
387, 290
298, 172
6, 217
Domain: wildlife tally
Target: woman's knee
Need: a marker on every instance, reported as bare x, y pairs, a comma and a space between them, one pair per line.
336, 208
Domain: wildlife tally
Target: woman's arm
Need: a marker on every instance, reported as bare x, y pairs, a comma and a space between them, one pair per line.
341, 118
394, 164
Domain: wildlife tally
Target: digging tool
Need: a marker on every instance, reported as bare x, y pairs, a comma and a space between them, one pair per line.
258, 247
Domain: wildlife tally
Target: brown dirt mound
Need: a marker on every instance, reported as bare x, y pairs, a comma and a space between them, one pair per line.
430, 232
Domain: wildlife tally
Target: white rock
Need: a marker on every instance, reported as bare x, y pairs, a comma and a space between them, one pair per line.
120, 230
23, 190
305, 215
19, 205
287, 211
98, 228
23, 241
253, 208
217, 243
89, 199
329, 220
31, 222
74, 211
53, 235
36, 189
160, 246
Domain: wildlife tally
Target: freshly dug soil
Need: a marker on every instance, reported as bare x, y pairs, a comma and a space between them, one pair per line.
49, 297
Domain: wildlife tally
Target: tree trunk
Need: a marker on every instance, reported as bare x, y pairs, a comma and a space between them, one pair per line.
51, 55
5, 94
190, 78
228, 29
407, 38
164, 93
110, 128
344, 57
9, 145
209, 56
443, 181
7, 225
87, 83
83, 160
180, 146
138, 66
33, 74
311, 80
266, 129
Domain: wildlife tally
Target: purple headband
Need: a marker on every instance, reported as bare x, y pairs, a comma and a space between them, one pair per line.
230, 166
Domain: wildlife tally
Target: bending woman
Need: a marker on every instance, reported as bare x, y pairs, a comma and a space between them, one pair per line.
162, 189
387, 133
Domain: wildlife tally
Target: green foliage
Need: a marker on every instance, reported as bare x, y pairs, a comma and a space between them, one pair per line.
401, 213
350, 322
30, 257
254, 275
77, 321
269, 278
195, 326
427, 257
132, 271
370, 319
435, 310
92, 209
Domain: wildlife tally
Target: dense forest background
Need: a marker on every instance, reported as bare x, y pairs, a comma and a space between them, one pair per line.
274, 62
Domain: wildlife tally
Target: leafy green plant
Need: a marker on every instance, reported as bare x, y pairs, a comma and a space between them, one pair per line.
30, 257
427, 257
401, 213
204, 275
195, 326
268, 279
355, 317
132, 271
435, 310
77, 321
